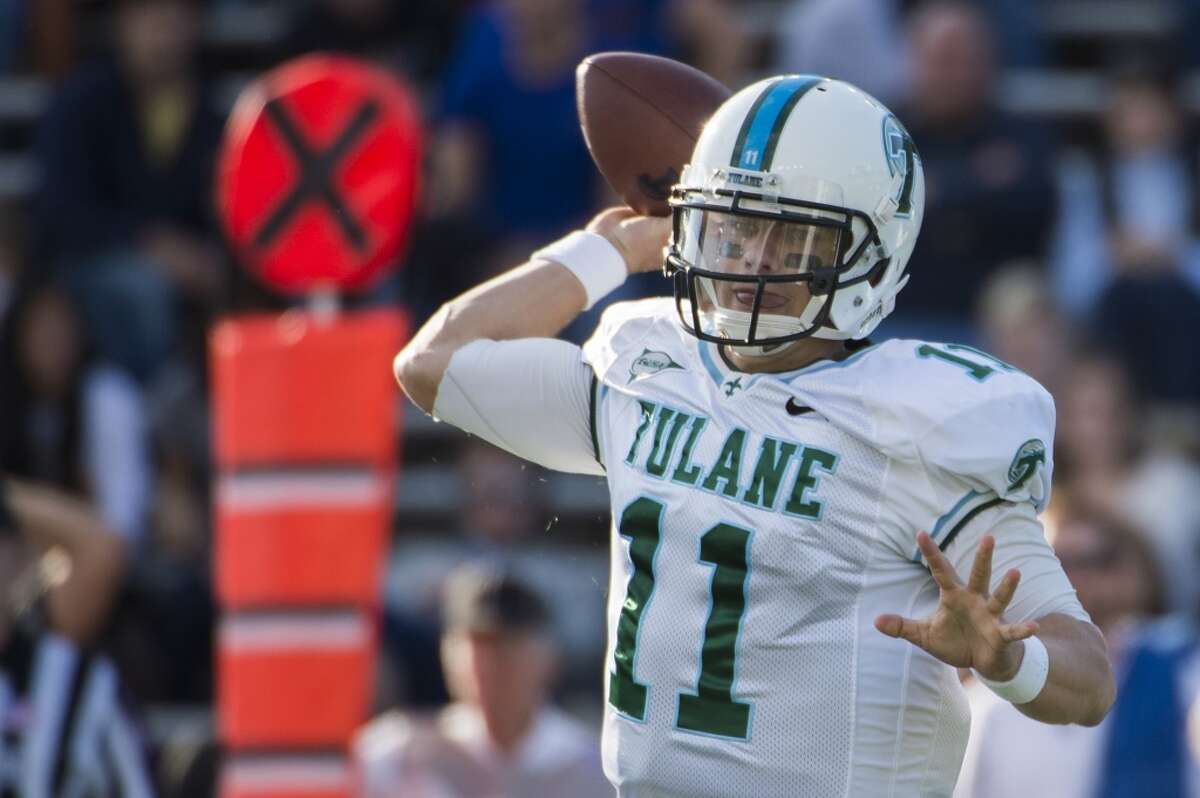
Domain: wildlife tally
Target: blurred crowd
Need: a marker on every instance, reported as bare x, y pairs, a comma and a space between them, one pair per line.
1067, 245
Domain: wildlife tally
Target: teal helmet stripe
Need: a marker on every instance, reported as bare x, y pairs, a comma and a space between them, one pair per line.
759, 135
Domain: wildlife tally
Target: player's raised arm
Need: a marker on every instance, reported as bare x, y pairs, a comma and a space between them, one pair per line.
534, 300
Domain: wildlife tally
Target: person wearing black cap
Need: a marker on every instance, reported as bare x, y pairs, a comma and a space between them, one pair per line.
499, 737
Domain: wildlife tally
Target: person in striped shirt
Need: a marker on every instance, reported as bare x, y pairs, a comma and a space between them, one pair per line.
63, 730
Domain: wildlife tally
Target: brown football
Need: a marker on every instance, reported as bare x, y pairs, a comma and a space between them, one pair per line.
641, 116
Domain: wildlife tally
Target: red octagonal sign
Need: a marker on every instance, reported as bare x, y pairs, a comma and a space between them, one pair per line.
318, 174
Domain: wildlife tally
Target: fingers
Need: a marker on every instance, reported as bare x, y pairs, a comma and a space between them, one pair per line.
646, 237
939, 566
904, 628
981, 568
999, 600
607, 220
1012, 632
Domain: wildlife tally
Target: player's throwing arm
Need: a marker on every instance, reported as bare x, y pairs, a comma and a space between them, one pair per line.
536, 299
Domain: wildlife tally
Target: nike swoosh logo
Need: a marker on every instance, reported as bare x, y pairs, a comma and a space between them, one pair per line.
794, 409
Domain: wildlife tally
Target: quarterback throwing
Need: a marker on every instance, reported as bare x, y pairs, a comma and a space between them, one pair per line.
810, 531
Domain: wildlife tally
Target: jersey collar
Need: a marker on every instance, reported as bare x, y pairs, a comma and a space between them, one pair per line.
722, 371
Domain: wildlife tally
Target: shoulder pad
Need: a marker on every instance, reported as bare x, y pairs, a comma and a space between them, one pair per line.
955, 410
971, 416
627, 326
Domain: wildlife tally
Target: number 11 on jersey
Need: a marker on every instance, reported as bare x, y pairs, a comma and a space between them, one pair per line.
711, 708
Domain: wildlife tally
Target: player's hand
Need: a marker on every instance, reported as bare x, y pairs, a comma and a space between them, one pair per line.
639, 239
966, 630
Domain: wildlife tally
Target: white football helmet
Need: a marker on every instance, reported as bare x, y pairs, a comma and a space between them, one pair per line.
796, 216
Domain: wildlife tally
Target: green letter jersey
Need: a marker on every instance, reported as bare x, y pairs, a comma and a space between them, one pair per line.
760, 524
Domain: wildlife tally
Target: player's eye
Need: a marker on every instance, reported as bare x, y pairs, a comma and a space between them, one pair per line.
796, 235
800, 261
746, 229
730, 249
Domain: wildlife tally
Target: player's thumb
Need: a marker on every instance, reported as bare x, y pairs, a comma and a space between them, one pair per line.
891, 625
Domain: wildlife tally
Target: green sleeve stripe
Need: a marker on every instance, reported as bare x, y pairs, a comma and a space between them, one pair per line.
592, 408
966, 519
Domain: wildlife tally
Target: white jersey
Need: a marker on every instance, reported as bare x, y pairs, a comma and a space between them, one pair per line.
760, 524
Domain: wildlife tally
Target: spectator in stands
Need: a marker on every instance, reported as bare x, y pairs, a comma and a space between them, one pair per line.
1132, 207
496, 508
65, 418
500, 736
1102, 458
500, 514
12, 22
126, 155
413, 37
1114, 572
505, 130
499, 508
1128, 253
1021, 325
1112, 567
1151, 323
711, 35
858, 41
508, 151
12, 248
989, 199
64, 730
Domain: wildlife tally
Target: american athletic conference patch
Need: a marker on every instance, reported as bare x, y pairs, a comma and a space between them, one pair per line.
1029, 456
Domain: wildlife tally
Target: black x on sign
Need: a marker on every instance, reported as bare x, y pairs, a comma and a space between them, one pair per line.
317, 168
318, 173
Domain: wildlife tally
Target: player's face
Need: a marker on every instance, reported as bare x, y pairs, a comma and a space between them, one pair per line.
751, 246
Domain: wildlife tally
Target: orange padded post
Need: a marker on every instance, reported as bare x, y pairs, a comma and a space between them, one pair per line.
296, 390
305, 435
294, 680
301, 556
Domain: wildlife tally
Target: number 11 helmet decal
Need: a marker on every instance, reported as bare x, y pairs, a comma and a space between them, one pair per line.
796, 216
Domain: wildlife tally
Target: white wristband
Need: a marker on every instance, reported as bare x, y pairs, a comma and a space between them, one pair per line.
1030, 677
592, 258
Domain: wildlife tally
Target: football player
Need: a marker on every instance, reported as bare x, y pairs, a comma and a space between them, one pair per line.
777, 624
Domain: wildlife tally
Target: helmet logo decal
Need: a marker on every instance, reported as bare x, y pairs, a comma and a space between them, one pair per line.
759, 134
899, 151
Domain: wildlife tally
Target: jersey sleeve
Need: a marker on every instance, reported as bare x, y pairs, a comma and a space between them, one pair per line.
1020, 544
623, 327
533, 397
966, 417
965, 433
